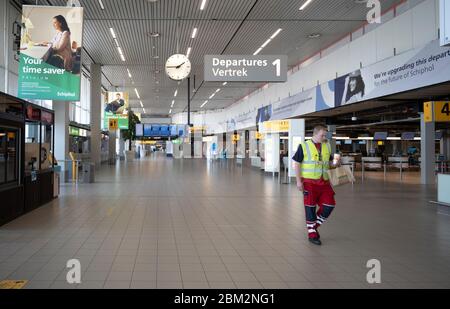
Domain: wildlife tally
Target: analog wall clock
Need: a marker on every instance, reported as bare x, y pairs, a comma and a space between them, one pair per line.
178, 67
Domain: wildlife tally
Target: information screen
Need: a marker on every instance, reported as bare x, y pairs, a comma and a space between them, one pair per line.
408, 136
139, 129
147, 129
380, 136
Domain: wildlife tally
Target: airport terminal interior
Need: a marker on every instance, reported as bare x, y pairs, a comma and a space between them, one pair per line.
155, 144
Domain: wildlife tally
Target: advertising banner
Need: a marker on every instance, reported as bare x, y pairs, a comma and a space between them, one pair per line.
50, 53
116, 107
414, 69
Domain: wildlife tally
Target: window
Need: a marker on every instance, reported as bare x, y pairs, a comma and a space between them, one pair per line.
80, 112
9, 155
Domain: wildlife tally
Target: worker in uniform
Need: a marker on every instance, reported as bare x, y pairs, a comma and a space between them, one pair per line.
313, 159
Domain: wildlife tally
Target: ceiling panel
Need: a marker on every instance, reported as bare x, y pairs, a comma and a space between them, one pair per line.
225, 26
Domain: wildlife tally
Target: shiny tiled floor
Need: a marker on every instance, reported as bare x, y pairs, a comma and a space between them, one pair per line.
163, 223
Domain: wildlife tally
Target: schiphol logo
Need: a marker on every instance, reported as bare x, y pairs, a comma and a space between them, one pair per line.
374, 15
74, 274
374, 274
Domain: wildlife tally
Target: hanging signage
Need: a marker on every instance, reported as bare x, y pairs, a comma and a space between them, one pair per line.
113, 124
116, 107
437, 111
276, 126
245, 68
74, 131
50, 53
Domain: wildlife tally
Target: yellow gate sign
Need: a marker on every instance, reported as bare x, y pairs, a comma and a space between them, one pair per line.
438, 111
113, 124
12, 284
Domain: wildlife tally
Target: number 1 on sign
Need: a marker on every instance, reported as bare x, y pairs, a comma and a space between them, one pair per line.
277, 64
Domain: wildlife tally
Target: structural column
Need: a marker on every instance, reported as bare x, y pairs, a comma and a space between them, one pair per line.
332, 130
296, 137
96, 109
427, 149
61, 109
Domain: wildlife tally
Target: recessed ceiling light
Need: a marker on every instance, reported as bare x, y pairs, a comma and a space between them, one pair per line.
305, 5
113, 33
194, 33
202, 5
154, 34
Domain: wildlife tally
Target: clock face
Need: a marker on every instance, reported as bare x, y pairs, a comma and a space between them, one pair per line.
178, 67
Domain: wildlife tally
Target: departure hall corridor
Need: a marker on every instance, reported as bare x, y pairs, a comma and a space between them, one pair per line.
164, 223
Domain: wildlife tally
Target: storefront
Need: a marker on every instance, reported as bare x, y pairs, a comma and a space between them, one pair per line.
27, 177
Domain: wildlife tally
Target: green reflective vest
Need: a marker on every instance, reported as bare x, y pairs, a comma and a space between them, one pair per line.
313, 165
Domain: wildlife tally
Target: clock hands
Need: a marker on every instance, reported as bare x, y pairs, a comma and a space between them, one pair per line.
177, 66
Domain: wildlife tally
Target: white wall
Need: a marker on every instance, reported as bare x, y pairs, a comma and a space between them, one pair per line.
416, 25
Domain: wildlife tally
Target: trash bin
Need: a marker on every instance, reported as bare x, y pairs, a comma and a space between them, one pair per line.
88, 170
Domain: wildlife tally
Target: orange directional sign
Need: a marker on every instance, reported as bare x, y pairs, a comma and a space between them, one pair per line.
438, 111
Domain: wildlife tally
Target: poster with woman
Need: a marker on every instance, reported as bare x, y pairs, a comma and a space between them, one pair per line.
349, 88
50, 53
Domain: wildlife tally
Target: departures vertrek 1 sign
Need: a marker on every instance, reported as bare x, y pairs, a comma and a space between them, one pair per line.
245, 68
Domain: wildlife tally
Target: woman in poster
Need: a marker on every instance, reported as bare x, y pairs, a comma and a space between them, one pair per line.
61, 45
354, 88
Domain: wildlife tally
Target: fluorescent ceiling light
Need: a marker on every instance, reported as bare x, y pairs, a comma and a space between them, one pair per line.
257, 52
117, 42
212, 96
137, 93
265, 43
305, 5
120, 50
170, 111
275, 34
176, 92
173, 102
204, 103
218, 90
202, 6
188, 52
101, 4
194, 33
112, 33
225, 83
144, 111
142, 105
129, 74
122, 57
